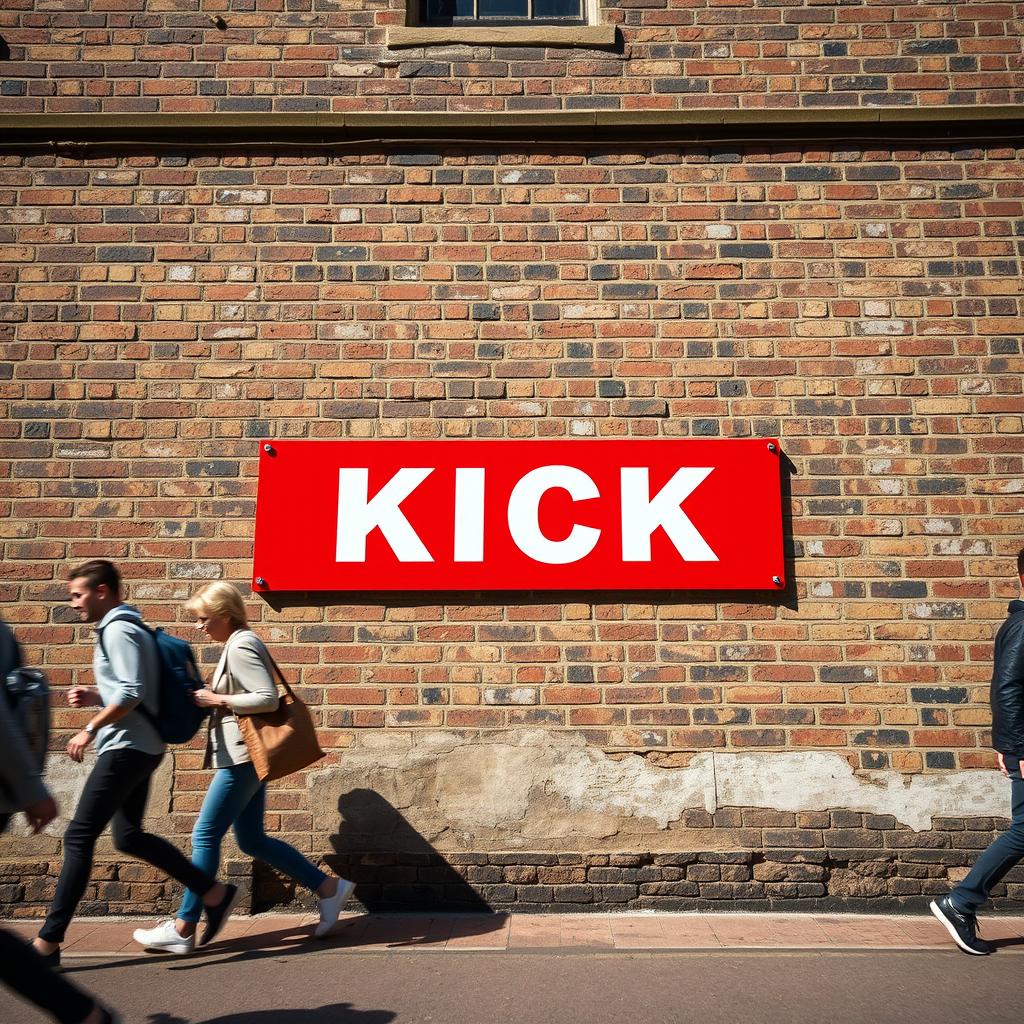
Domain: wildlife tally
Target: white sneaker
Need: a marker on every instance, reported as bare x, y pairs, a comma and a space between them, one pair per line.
332, 906
165, 938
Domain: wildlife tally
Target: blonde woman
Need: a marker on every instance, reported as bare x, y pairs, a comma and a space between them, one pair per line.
243, 684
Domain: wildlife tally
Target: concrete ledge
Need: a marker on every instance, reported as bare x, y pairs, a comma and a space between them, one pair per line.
561, 36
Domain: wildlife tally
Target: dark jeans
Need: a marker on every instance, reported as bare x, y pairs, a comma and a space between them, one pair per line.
997, 859
24, 971
116, 791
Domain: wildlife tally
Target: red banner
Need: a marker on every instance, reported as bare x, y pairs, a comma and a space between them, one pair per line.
519, 515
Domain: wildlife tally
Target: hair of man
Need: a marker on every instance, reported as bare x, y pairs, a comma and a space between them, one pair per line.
96, 573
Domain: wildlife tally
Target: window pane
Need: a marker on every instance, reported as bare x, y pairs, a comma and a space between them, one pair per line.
556, 8
504, 9
445, 10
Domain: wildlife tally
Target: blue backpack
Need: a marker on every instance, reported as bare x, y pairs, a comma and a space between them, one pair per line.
177, 719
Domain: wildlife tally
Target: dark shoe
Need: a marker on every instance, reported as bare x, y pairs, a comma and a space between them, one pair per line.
52, 960
963, 928
217, 915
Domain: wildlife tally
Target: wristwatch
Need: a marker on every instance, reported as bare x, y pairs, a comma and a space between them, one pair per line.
90, 729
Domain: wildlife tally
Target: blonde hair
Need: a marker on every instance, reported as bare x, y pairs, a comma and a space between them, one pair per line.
220, 598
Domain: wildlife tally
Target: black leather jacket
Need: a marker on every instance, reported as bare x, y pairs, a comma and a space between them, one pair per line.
1008, 684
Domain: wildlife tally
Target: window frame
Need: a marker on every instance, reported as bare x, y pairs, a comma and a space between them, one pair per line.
590, 33
503, 21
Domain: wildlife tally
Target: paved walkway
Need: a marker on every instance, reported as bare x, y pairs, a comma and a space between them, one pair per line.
394, 933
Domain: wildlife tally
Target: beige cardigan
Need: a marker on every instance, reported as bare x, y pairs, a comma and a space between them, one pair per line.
245, 674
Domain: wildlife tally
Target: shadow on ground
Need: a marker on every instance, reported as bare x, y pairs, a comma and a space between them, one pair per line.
337, 1013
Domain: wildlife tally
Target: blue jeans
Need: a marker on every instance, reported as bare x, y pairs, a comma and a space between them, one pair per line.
1001, 855
237, 797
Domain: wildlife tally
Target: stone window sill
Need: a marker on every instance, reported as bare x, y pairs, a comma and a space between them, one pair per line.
586, 36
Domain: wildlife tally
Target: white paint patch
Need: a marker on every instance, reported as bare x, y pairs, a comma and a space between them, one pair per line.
818, 781
884, 327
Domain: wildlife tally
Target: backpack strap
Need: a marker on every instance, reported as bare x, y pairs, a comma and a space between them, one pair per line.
135, 620
127, 617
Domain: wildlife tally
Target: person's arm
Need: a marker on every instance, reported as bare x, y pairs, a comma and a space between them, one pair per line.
247, 670
123, 646
1008, 688
20, 775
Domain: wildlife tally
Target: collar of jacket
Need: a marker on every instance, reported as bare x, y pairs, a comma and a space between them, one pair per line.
1015, 608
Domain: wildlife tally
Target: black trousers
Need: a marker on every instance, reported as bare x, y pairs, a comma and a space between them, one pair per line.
24, 971
115, 792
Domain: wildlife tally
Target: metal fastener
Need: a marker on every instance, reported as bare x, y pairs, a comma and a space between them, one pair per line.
269, 449
261, 582
771, 447
777, 580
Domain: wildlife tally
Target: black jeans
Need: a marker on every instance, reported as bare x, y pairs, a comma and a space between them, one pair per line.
116, 791
1001, 855
24, 971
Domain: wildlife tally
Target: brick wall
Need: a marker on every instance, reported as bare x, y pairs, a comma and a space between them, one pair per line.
138, 56
162, 315
164, 306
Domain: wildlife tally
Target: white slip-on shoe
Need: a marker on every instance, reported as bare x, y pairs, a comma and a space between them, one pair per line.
332, 906
164, 938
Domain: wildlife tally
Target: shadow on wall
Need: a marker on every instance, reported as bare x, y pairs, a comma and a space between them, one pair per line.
395, 869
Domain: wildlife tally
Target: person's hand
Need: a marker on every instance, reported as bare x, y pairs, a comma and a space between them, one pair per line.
206, 698
78, 744
83, 697
41, 813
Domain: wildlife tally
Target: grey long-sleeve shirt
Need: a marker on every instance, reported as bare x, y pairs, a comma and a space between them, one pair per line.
126, 671
246, 675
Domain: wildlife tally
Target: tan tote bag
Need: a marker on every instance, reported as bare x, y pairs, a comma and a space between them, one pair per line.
282, 741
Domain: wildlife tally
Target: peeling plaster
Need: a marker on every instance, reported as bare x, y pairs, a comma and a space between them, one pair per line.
541, 789
65, 780
519, 788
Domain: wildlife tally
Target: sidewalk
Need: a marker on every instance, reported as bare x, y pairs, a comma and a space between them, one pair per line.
394, 933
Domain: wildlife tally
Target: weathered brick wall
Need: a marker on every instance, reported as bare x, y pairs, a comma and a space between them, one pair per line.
141, 56
161, 313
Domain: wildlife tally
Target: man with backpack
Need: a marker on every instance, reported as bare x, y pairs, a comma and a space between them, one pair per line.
129, 747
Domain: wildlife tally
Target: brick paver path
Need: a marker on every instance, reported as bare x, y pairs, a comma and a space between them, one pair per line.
395, 933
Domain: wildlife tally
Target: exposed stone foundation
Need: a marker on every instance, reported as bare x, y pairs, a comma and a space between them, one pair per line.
813, 861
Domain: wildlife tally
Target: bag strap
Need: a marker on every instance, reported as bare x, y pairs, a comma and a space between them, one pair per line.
280, 674
277, 669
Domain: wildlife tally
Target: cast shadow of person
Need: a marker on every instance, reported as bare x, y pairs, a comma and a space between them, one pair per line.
336, 1013
395, 869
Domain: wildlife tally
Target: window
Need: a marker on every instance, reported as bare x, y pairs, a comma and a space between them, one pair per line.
502, 12
562, 23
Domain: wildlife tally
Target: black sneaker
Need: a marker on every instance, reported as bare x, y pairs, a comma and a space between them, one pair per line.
52, 960
963, 928
217, 915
